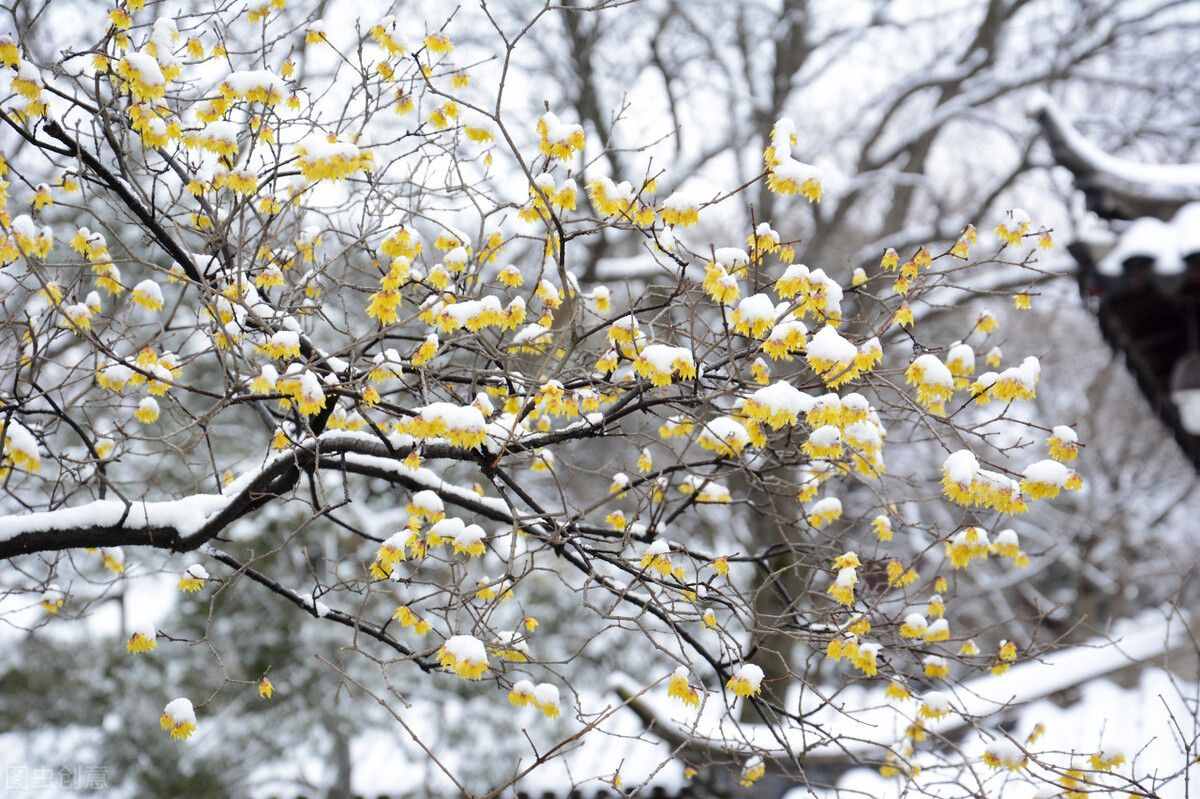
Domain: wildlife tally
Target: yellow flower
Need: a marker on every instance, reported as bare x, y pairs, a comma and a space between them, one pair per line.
1107, 759
53, 598
1004, 657
143, 76
746, 681
265, 689
824, 512
724, 436
1002, 753
866, 659
465, 655
934, 705
933, 379
1063, 444
489, 590
382, 34
842, 588
657, 557
561, 140
147, 411
914, 626
511, 276
439, 43
148, 295
545, 699
193, 578
752, 771
142, 641
113, 559
328, 159
938, 631
42, 197
179, 719
120, 18
1013, 229
961, 248
679, 209
409, 619
521, 693
795, 177
10, 55
720, 286
678, 687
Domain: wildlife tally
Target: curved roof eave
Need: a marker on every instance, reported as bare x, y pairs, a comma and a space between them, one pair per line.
1116, 187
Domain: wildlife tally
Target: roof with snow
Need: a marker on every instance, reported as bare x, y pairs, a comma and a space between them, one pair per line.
1114, 187
1139, 263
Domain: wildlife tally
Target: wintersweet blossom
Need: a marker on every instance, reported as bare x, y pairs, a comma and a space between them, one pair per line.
521, 694
914, 626
53, 599
934, 705
179, 719
752, 771
559, 139
657, 557
546, 699
679, 688
746, 681
1003, 753
465, 655
724, 436
142, 639
193, 578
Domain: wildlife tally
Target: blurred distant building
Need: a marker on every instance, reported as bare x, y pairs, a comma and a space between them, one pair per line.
1139, 268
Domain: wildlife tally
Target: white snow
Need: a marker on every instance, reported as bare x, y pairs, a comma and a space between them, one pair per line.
450, 527
829, 345
750, 673
1169, 180
181, 711
961, 466
783, 396
186, 515
933, 371
146, 67
248, 80
1047, 471
1150, 238
466, 648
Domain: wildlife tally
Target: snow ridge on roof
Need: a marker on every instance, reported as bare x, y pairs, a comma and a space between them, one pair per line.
1134, 189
